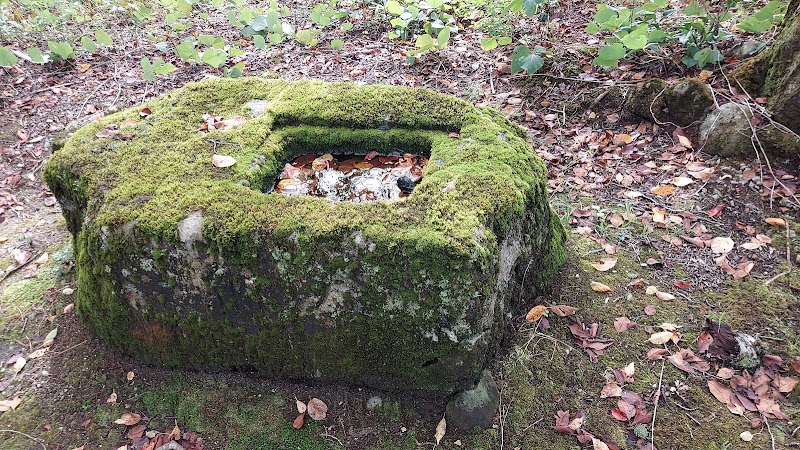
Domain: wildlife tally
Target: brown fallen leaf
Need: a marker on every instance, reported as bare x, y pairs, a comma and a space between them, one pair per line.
660, 338
301, 407
605, 264
6, 405
317, 409
778, 222
650, 310
536, 313
666, 296
136, 431
563, 310
622, 324
720, 245
597, 444
128, 419
222, 161
441, 429
656, 353
298, 422
611, 389
719, 391
600, 287
663, 191
175, 434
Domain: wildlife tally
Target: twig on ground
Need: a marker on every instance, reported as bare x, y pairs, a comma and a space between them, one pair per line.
655, 404
769, 430
70, 348
16, 269
50, 87
330, 436
766, 283
37, 440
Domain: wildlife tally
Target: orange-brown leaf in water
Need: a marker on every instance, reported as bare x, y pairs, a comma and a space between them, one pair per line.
298, 422
777, 221
536, 313
563, 310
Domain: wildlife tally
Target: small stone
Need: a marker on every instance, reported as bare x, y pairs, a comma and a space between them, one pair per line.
474, 408
746, 436
374, 402
68, 291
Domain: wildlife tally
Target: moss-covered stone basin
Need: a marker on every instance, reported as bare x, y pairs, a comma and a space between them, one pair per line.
185, 264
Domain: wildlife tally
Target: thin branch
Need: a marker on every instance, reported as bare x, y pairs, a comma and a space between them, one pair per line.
655, 404
37, 440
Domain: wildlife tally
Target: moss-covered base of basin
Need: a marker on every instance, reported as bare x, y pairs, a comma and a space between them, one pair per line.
185, 264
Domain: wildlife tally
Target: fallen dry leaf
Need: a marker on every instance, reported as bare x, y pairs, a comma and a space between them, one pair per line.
605, 264
317, 409
301, 407
536, 313
663, 191
660, 338
597, 444
666, 296
622, 324
298, 422
222, 161
563, 310
656, 353
449, 186
611, 389
778, 222
682, 181
600, 287
721, 245
650, 310
441, 429
746, 436
128, 419
6, 405
129, 376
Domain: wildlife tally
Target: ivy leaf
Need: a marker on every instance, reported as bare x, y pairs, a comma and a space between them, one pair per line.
88, 44
636, 40
707, 55
62, 50
258, 40
489, 43
424, 41
393, 7
610, 55
147, 69
36, 55
214, 57
7, 59
525, 59
103, 38
186, 51
443, 37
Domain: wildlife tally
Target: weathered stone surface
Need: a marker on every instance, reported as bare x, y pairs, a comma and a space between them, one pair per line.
681, 103
727, 132
476, 407
185, 264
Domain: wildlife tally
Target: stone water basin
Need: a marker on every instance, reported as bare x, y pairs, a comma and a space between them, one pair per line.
186, 260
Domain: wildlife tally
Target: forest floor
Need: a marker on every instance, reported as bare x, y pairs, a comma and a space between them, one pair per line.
662, 238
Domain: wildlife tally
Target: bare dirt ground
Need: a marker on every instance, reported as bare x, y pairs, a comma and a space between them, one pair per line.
653, 213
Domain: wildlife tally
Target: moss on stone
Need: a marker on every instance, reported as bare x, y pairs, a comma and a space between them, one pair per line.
179, 261
682, 103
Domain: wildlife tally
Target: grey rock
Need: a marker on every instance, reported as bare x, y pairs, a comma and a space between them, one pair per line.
476, 407
750, 48
727, 132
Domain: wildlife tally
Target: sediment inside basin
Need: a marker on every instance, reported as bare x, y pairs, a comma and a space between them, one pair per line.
350, 177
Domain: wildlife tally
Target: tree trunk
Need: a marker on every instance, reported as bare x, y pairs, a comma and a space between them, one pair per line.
775, 73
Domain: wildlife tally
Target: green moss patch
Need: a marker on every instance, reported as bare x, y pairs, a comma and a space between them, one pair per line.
189, 265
